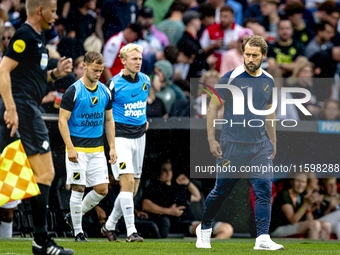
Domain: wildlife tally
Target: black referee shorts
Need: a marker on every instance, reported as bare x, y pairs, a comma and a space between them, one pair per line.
32, 128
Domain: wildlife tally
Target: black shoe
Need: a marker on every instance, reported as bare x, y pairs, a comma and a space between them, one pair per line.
110, 234
68, 220
81, 238
134, 237
50, 248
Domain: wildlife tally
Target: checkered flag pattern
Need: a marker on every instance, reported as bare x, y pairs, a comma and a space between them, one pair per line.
16, 176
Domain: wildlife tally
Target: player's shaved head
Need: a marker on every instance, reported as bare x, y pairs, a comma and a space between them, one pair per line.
129, 48
32, 5
255, 41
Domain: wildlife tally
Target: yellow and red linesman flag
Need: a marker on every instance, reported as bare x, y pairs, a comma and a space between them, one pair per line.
16, 176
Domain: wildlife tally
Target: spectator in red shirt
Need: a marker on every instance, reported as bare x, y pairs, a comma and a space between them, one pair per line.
112, 64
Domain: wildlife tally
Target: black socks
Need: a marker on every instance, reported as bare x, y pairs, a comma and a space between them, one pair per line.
39, 206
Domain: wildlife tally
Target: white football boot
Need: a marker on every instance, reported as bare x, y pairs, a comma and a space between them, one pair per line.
203, 237
263, 242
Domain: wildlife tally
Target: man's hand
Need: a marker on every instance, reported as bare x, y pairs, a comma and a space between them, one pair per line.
182, 180
218, 43
12, 120
50, 97
211, 60
314, 110
101, 214
147, 125
215, 149
334, 202
176, 211
72, 155
113, 156
140, 214
64, 66
310, 199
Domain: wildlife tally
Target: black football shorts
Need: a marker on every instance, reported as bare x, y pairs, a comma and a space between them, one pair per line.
32, 128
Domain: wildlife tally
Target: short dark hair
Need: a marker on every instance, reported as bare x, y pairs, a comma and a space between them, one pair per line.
188, 49
257, 41
171, 53
137, 28
206, 10
250, 20
322, 26
163, 162
61, 21
93, 56
329, 7
227, 8
178, 6
294, 8
80, 3
183, 84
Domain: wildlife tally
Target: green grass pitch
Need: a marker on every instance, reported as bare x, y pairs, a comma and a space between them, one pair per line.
174, 246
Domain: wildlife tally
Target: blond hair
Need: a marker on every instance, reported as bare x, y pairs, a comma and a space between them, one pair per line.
129, 48
32, 5
1, 33
210, 74
300, 64
204, 78
10, 29
3, 16
78, 61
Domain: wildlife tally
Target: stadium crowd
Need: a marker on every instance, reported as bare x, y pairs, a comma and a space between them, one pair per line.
186, 39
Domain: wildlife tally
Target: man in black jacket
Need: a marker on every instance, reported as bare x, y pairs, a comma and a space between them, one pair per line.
192, 22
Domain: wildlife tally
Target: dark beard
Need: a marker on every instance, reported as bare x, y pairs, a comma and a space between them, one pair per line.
253, 69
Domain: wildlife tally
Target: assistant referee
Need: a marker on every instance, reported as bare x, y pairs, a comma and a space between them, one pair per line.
23, 82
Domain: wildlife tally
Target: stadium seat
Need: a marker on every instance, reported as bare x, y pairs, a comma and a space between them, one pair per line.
64, 206
27, 224
17, 224
27, 219
280, 184
51, 224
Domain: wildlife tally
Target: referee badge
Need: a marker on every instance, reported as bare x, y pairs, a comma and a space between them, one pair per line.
266, 87
19, 46
145, 87
122, 165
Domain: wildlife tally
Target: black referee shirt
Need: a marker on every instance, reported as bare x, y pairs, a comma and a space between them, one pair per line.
29, 78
